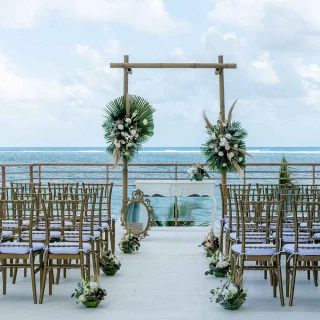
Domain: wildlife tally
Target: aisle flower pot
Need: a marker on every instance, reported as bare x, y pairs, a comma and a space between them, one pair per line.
109, 272
93, 303
234, 306
126, 250
198, 176
220, 273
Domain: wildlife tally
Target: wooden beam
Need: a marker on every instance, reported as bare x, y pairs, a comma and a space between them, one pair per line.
175, 65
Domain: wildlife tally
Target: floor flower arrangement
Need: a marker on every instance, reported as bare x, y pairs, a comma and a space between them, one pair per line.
197, 172
210, 244
89, 292
109, 263
129, 243
230, 298
219, 265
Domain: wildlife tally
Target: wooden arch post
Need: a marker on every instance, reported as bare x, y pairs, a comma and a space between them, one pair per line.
127, 67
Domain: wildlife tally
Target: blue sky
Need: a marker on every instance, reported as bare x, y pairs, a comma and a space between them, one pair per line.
55, 77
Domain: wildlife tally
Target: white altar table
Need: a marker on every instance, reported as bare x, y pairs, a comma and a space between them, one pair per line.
180, 188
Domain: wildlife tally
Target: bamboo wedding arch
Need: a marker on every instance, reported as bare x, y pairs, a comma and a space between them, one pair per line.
127, 69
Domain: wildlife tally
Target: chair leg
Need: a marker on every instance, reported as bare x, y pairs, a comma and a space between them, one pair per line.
43, 279
4, 277
315, 273
33, 280
15, 271
25, 269
293, 281
280, 281
287, 275
59, 262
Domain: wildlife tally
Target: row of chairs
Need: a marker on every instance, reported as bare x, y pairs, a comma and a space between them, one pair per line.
272, 221
62, 229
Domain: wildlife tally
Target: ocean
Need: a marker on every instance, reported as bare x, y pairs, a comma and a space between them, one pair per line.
201, 212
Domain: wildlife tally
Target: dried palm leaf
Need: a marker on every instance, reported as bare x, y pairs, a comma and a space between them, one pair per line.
116, 156
142, 114
238, 169
230, 113
243, 151
208, 123
238, 280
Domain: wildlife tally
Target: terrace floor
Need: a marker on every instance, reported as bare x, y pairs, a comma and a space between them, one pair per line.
165, 280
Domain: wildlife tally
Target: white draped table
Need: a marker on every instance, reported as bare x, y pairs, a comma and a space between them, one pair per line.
180, 188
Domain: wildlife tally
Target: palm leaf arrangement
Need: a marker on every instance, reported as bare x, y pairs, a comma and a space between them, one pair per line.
225, 148
128, 123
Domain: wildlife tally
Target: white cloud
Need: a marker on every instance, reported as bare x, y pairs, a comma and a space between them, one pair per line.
310, 71
113, 47
144, 15
93, 55
229, 35
266, 73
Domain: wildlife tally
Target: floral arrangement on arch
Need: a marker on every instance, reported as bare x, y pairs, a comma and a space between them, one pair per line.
233, 298
128, 124
89, 292
129, 243
225, 148
219, 265
109, 263
210, 244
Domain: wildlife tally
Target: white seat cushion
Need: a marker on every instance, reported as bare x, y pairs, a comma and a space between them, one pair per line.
316, 236
260, 250
39, 235
68, 247
56, 224
19, 247
6, 233
290, 237
251, 237
307, 250
86, 236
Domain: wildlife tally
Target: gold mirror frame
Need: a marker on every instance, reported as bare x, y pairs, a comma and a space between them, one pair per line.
137, 197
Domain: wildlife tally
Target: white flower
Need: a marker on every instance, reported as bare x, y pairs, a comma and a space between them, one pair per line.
120, 126
128, 120
240, 159
122, 141
82, 298
123, 133
126, 153
215, 149
214, 136
228, 135
93, 285
235, 146
135, 114
133, 132
137, 135
223, 141
129, 144
211, 145
224, 124
227, 147
117, 145
220, 153
145, 122
116, 261
224, 164
230, 155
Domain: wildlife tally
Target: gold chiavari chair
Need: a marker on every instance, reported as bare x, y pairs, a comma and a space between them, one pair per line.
12, 252
308, 253
261, 215
61, 254
103, 216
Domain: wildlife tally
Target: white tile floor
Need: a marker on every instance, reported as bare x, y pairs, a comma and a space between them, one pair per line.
165, 280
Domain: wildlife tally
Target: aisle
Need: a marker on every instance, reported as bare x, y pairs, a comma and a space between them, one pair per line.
165, 280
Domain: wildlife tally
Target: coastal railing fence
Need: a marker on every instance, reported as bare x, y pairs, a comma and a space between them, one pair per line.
42, 173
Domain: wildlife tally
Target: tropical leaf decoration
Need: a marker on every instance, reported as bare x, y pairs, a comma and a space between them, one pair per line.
225, 148
128, 123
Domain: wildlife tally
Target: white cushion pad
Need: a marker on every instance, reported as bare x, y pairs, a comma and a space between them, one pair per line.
19, 247
251, 237
86, 236
260, 250
39, 235
67, 247
307, 250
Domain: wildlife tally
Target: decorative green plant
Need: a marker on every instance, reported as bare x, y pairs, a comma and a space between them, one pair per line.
128, 124
109, 263
219, 265
285, 174
210, 244
225, 147
129, 243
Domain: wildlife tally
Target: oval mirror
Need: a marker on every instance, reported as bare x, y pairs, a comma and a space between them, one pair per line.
137, 215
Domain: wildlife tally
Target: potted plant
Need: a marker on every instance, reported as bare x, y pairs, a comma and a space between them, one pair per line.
109, 263
219, 265
230, 299
210, 244
129, 243
197, 172
89, 293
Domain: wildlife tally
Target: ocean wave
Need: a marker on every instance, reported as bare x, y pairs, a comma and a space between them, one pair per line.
54, 151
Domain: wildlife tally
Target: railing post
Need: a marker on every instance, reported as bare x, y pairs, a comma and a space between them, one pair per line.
107, 174
39, 176
176, 172
244, 175
3, 177
313, 174
31, 178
